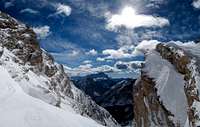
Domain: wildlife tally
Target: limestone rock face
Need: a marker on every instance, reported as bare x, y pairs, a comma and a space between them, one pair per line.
38, 74
181, 63
148, 110
171, 75
21, 40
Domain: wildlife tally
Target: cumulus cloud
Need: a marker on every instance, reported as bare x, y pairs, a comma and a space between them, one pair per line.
112, 71
29, 10
116, 54
71, 57
87, 62
86, 66
42, 32
92, 52
61, 9
100, 59
196, 4
146, 45
121, 53
127, 52
66, 55
86, 69
130, 19
128, 65
74, 53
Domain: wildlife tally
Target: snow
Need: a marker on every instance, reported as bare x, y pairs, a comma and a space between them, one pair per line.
166, 80
28, 96
24, 102
170, 85
146, 103
21, 110
196, 106
37, 85
193, 51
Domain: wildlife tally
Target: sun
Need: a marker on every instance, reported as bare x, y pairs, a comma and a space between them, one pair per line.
128, 12
129, 18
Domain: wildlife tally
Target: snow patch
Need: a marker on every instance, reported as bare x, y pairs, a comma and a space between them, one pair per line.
170, 85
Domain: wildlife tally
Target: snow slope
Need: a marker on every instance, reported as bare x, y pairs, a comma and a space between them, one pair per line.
169, 84
41, 84
21, 110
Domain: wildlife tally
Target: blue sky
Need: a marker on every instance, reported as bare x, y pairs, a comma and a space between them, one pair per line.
101, 35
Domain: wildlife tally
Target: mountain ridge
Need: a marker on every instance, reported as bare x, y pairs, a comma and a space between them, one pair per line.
166, 94
115, 95
39, 76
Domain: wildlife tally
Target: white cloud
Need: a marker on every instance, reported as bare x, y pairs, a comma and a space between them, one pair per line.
68, 56
116, 54
86, 69
128, 65
129, 51
87, 62
121, 53
114, 72
144, 46
105, 69
42, 32
29, 10
130, 19
196, 4
86, 66
100, 59
92, 52
74, 53
147, 45
61, 9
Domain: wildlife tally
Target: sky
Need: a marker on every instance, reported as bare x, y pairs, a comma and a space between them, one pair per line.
89, 36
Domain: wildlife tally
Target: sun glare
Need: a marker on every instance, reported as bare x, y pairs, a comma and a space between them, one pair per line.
128, 12
130, 19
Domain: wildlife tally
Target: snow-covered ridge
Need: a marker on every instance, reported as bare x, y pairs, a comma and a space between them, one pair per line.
18, 109
169, 87
39, 78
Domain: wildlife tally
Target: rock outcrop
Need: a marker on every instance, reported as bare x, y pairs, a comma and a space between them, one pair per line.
38, 74
167, 93
148, 110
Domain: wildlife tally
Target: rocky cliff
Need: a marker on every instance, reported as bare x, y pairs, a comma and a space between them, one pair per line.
39, 76
167, 93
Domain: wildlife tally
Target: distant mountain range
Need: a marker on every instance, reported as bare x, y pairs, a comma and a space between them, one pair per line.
115, 95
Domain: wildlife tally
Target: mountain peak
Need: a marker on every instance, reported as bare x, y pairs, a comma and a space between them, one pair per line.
31, 74
169, 85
